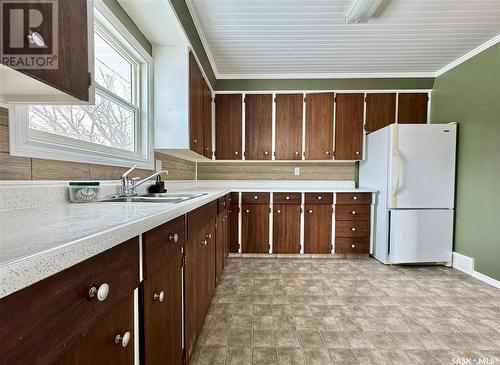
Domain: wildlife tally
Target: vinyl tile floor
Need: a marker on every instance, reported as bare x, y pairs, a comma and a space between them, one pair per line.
348, 311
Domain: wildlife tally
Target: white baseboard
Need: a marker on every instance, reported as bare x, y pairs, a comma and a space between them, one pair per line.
486, 279
463, 263
466, 265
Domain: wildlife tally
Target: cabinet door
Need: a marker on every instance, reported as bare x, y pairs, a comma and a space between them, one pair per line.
289, 114
233, 223
228, 114
255, 228
412, 108
207, 121
219, 246
286, 228
258, 126
380, 110
72, 74
162, 311
319, 126
195, 106
209, 266
318, 229
100, 344
349, 126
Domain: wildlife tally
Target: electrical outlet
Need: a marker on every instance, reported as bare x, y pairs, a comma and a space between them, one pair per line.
158, 165
296, 171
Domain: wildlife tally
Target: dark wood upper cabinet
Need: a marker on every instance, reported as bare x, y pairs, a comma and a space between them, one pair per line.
349, 110
228, 127
380, 110
289, 115
319, 126
72, 74
412, 108
258, 126
286, 228
207, 121
255, 228
318, 228
196, 106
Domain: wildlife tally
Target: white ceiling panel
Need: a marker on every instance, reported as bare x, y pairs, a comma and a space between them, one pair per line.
303, 38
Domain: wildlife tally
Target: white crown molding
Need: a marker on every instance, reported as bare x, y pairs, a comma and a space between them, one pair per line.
329, 75
468, 55
201, 34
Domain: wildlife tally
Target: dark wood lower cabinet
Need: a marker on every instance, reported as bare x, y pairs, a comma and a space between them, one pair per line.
286, 228
161, 294
233, 223
255, 228
318, 228
109, 341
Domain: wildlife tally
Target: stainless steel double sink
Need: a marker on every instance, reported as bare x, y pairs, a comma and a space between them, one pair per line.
172, 198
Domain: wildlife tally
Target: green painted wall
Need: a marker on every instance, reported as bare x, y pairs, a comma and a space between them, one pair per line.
470, 95
323, 84
187, 23
125, 19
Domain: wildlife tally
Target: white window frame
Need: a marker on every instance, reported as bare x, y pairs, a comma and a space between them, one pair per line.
28, 142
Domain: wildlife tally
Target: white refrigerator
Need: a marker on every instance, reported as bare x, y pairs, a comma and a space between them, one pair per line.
412, 166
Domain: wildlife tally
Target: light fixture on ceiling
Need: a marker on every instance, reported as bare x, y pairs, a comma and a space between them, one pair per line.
362, 10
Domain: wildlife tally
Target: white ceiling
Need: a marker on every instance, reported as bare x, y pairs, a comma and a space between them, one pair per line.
309, 38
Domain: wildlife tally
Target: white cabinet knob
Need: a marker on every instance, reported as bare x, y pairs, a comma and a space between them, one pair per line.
247, 211
353, 245
195, 141
159, 296
278, 211
235, 152
353, 229
310, 211
320, 197
287, 198
266, 153
357, 152
353, 212
101, 293
124, 340
256, 197
354, 198
327, 152
204, 242
209, 235
174, 237
296, 153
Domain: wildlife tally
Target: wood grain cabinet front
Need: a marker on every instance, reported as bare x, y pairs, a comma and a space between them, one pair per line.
255, 228
286, 228
349, 113
412, 108
352, 223
318, 228
161, 294
228, 126
258, 126
319, 126
49, 317
289, 115
233, 223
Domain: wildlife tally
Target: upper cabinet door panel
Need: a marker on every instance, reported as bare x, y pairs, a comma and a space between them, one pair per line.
207, 121
72, 74
319, 126
412, 108
228, 127
195, 106
380, 110
289, 115
258, 126
349, 126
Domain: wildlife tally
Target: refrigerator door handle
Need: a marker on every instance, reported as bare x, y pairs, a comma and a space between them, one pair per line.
397, 167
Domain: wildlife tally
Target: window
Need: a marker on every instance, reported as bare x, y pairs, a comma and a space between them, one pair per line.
116, 129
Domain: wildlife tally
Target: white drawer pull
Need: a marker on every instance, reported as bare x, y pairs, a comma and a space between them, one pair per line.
278, 211
353, 229
320, 197
287, 198
174, 237
310, 211
124, 340
353, 245
159, 296
353, 212
354, 198
101, 293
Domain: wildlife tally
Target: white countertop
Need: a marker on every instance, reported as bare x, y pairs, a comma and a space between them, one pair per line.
38, 242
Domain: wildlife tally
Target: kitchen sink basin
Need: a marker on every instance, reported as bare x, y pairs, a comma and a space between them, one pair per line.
172, 198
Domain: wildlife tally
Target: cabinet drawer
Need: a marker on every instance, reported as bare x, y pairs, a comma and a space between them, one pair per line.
161, 242
351, 245
46, 318
287, 198
353, 198
255, 198
319, 198
352, 212
352, 229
